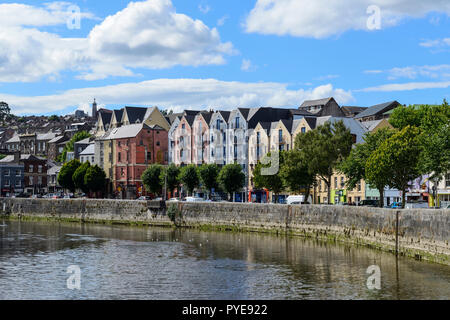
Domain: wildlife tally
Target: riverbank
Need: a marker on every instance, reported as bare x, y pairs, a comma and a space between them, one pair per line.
418, 233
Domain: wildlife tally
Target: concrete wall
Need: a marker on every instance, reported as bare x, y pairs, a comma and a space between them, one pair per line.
422, 233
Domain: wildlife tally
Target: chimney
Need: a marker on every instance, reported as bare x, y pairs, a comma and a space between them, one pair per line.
17, 157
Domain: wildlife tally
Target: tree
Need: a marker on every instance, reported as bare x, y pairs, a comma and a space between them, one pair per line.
78, 177
151, 178
65, 176
325, 147
354, 166
295, 173
69, 147
396, 160
270, 178
53, 118
95, 178
5, 111
172, 172
208, 176
231, 178
189, 177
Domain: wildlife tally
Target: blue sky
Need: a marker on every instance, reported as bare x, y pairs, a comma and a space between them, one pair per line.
222, 54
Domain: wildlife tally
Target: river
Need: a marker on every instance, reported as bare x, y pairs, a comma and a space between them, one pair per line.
122, 262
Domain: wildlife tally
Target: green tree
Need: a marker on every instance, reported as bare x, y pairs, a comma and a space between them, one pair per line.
396, 160
172, 172
354, 166
267, 173
208, 176
5, 111
65, 176
295, 173
231, 178
151, 178
53, 118
95, 178
78, 177
325, 147
69, 147
189, 177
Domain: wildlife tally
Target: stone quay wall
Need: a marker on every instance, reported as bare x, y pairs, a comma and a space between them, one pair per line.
419, 233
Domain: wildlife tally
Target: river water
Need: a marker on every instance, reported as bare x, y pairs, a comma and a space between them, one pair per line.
118, 262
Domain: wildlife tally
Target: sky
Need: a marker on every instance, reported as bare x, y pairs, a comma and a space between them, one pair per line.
56, 57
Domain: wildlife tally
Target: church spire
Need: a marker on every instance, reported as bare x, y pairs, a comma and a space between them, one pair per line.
94, 109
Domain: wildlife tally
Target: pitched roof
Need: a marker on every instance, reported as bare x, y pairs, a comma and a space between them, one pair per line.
106, 118
129, 131
207, 116
84, 141
46, 136
118, 114
311, 121
377, 109
352, 110
225, 115
318, 102
90, 149
56, 139
370, 125
172, 117
135, 114
15, 138
244, 112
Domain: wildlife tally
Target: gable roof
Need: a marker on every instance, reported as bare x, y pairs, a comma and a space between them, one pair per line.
352, 110
129, 131
135, 114
317, 102
106, 117
244, 112
118, 114
207, 116
90, 149
377, 109
225, 115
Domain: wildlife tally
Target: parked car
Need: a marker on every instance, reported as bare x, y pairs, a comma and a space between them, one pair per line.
295, 199
36, 196
143, 198
194, 199
173, 200
369, 203
69, 196
396, 205
417, 204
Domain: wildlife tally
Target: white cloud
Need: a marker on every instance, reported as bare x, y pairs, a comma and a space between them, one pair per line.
53, 13
437, 43
148, 34
222, 20
327, 77
407, 86
247, 65
204, 8
323, 18
178, 94
413, 72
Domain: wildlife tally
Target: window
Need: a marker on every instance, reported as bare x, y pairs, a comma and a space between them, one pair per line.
122, 172
335, 182
157, 143
7, 183
118, 143
149, 155
183, 126
30, 168
181, 154
447, 180
342, 183
354, 138
224, 137
280, 135
40, 169
212, 153
40, 180
18, 173
218, 124
258, 137
237, 122
303, 129
359, 186
92, 158
18, 184
7, 173
120, 157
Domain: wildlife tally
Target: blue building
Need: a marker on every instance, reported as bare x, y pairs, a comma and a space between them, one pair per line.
11, 179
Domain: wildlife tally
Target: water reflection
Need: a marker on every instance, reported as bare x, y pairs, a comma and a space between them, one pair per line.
152, 263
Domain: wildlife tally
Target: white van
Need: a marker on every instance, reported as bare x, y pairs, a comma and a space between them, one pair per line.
194, 199
295, 199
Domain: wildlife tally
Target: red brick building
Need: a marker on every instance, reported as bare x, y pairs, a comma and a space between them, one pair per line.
135, 147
